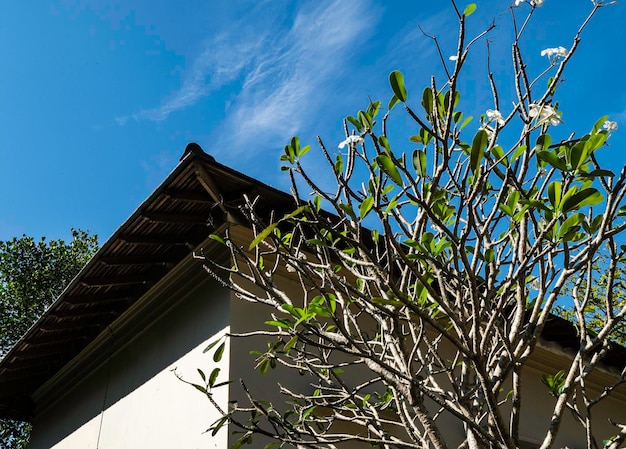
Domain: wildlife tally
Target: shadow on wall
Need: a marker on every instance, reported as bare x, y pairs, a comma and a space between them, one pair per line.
137, 388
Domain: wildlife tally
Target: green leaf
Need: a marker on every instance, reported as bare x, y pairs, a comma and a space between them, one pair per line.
278, 324
578, 155
263, 234
498, 153
571, 221
304, 150
599, 173
478, 149
267, 231
384, 142
366, 206
308, 411
427, 101
348, 210
295, 144
219, 352
586, 197
217, 238
389, 167
469, 9
290, 344
365, 120
394, 101
518, 152
202, 374
213, 376
211, 346
317, 203
218, 425
466, 122
200, 388
599, 123
552, 159
396, 79
419, 162
555, 384
543, 142
264, 366
554, 194
355, 122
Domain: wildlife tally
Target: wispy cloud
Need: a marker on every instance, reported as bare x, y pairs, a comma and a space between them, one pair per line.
279, 73
298, 74
221, 62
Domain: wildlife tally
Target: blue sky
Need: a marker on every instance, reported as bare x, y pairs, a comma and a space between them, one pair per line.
99, 98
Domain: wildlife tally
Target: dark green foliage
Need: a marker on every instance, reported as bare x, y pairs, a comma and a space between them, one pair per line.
32, 274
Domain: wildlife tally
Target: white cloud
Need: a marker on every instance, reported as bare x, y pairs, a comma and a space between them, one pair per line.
221, 62
296, 73
280, 73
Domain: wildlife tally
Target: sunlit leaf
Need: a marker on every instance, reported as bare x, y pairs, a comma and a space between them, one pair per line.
419, 162
469, 9
552, 159
389, 167
394, 101
478, 149
396, 79
586, 197
366, 206
427, 100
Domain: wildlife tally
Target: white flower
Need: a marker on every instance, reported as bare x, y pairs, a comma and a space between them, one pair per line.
554, 54
609, 125
544, 113
453, 58
495, 115
532, 2
351, 140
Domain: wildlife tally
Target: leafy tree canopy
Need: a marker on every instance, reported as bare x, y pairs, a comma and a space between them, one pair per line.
32, 274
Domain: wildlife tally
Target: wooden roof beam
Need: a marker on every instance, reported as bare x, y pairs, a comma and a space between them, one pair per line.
189, 196
98, 309
209, 185
102, 298
39, 351
49, 339
156, 239
22, 364
141, 278
69, 324
177, 218
135, 260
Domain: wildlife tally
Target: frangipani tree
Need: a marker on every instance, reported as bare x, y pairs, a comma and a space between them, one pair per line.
425, 289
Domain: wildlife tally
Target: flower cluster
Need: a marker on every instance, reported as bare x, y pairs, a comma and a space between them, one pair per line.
351, 140
544, 114
532, 2
609, 125
495, 116
554, 54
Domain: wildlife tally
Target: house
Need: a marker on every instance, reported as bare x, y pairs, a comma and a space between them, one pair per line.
99, 368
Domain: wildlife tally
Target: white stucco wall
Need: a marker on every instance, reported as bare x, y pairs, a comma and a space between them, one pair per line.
134, 400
